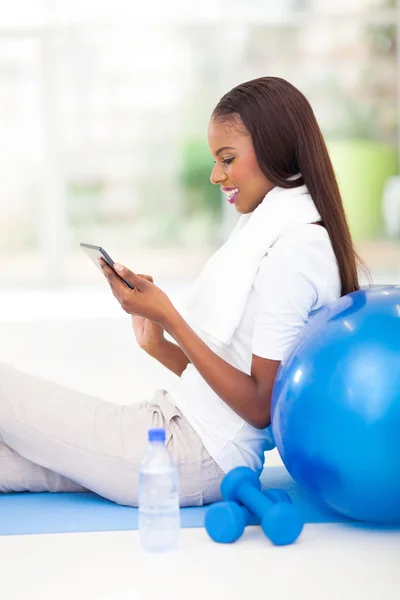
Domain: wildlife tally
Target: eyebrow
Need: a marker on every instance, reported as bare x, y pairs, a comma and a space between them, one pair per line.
223, 148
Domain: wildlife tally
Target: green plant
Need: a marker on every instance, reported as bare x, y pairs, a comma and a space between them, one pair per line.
200, 196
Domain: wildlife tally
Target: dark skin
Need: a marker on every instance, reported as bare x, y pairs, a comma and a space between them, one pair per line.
248, 395
235, 166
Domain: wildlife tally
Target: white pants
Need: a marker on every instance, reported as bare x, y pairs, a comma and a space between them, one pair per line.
56, 439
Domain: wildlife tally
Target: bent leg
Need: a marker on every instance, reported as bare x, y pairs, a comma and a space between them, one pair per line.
58, 439
94, 443
18, 474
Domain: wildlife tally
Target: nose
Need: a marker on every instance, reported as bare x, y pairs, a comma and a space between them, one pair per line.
217, 175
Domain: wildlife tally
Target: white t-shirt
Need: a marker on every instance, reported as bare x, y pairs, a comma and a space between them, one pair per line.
298, 276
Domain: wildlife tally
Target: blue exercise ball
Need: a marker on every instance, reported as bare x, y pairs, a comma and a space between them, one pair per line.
336, 406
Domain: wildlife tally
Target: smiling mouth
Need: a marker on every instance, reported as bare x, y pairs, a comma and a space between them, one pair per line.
232, 195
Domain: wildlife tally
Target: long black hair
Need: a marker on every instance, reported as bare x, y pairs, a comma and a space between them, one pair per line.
287, 141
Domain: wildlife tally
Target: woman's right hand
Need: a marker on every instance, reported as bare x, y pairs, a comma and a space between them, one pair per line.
148, 334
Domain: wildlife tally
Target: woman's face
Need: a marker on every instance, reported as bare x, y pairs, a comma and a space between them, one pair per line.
236, 168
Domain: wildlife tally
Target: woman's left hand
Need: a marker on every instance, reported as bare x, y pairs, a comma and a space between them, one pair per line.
146, 300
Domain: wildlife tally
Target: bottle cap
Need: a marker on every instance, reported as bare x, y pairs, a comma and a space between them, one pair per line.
156, 435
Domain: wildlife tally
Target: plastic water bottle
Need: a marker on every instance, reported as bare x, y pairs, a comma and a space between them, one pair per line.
159, 519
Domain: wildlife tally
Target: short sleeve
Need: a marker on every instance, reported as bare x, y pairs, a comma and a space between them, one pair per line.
287, 285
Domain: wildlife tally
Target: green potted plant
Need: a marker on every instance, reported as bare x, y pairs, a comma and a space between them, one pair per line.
200, 196
362, 139
362, 163
201, 200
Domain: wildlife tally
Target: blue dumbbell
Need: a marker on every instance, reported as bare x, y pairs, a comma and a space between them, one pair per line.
280, 521
225, 521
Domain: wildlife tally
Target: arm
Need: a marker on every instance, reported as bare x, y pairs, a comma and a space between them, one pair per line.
170, 355
248, 395
283, 308
280, 315
150, 338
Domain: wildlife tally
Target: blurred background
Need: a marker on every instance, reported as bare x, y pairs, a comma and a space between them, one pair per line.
104, 107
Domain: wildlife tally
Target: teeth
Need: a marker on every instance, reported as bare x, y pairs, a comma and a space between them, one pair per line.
231, 193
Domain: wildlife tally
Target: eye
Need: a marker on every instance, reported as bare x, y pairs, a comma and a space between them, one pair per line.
225, 161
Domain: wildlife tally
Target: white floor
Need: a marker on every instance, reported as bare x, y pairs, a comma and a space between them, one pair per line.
82, 339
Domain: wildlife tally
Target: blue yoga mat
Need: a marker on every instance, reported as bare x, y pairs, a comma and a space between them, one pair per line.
27, 513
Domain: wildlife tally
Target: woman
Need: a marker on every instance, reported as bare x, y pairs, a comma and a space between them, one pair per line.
269, 155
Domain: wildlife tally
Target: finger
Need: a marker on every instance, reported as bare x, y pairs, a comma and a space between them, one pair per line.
140, 283
118, 287
148, 277
107, 270
115, 282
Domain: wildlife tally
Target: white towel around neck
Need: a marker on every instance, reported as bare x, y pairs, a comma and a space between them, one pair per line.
216, 301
